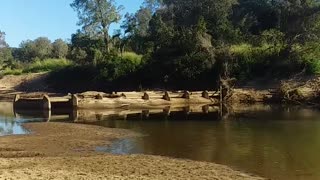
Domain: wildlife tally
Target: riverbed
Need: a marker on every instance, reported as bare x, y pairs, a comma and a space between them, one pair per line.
270, 141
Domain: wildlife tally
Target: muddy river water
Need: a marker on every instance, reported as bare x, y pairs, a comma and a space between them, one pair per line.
273, 142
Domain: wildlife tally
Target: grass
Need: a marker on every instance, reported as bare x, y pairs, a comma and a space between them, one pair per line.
9, 71
38, 66
47, 65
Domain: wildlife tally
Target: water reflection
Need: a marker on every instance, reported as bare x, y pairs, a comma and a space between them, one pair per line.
8, 123
278, 143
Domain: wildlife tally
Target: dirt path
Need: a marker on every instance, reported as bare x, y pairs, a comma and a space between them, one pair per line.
67, 151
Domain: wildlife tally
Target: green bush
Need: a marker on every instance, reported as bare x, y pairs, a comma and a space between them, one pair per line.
313, 67
133, 57
114, 66
309, 55
46, 65
254, 61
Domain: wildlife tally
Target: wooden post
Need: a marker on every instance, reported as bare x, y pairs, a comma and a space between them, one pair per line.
75, 101
123, 95
145, 113
187, 110
221, 94
16, 98
145, 96
166, 96
74, 115
221, 101
205, 94
205, 109
46, 102
186, 95
166, 111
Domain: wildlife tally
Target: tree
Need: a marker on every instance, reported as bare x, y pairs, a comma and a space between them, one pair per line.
60, 49
136, 26
5, 51
96, 16
26, 51
39, 48
43, 48
84, 49
2, 40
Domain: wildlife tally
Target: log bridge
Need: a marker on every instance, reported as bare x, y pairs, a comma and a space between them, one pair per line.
99, 100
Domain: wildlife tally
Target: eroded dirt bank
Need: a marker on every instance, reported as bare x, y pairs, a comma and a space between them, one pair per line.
67, 151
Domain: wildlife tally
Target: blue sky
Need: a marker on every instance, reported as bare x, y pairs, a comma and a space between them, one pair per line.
29, 19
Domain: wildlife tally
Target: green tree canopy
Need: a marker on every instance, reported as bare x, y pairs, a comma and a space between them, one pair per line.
5, 52
39, 48
60, 49
96, 16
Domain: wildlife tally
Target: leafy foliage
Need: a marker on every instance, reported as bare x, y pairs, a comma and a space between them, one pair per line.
96, 16
182, 43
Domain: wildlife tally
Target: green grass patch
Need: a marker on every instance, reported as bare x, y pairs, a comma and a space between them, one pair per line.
47, 65
37, 66
9, 71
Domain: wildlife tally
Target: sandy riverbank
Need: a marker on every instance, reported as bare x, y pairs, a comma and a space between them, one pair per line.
67, 151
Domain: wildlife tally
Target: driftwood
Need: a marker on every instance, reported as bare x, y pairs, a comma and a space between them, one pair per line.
226, 88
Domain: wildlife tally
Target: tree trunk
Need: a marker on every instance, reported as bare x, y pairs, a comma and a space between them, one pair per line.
106, 42
106, 36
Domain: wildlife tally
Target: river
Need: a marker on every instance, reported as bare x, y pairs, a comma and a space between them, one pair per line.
270, 141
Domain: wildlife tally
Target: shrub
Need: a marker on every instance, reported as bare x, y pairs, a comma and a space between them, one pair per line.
46, 65
133, 57
114, 67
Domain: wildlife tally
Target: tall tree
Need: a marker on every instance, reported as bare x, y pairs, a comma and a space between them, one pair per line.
96, 16
136, 26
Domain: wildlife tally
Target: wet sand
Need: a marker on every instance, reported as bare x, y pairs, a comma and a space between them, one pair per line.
67, 151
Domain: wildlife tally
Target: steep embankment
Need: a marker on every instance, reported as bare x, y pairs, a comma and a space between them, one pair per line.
33, 84
26, 82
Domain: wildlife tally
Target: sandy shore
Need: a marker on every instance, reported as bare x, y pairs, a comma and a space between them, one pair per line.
114, 167
67, 151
